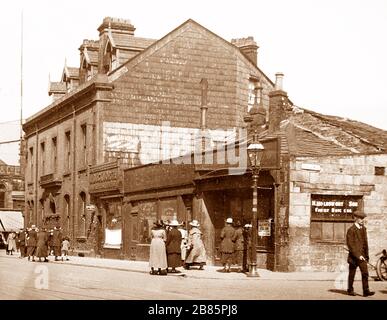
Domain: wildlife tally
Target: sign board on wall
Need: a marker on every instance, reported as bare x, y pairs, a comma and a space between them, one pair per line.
264, 228
334, 207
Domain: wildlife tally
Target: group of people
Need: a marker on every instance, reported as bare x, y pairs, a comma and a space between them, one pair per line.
39, 243
235, 246
172, 246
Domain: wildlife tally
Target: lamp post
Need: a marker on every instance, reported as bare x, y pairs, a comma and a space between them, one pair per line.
255, 153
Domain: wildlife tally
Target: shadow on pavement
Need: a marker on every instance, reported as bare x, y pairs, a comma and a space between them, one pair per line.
344, 292
383, 291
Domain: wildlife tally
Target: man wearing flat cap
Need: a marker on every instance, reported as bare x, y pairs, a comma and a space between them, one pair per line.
358, 254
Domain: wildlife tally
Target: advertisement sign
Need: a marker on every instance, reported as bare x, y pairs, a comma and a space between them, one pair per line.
264, 228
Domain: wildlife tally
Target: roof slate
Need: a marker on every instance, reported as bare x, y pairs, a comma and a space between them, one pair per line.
129, 41
57, 87
73, 72
308, 133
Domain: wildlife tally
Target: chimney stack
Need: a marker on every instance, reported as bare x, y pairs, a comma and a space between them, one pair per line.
248, 47
278, 80
278, 101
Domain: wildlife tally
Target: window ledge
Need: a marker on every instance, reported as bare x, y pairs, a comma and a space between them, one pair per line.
112, 246
328, 242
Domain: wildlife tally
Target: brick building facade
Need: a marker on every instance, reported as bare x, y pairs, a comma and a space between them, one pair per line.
129, 102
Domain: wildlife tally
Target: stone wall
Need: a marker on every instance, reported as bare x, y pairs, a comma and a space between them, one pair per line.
350, 175
164, 84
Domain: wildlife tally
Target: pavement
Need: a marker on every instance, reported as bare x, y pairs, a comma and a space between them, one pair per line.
209, 272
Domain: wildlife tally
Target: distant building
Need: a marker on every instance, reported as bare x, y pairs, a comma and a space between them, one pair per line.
11, 187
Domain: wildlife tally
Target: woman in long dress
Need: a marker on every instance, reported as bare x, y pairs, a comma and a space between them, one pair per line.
173, 245
41, 245
158, 255
197, 253
227, 245
11, 242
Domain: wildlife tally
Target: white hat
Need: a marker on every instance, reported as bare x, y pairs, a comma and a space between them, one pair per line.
248, 225
229, 220
174, 223
194, 223
33, 226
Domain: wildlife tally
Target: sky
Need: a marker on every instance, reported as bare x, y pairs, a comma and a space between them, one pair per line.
333, 53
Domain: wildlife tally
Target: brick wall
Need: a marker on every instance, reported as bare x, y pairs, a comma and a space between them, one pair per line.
337, 176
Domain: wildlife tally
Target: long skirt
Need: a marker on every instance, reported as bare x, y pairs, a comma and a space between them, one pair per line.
227, 257
41, 251
158, 255
31, 251
238, 257
22, 251
57, 251
174, 260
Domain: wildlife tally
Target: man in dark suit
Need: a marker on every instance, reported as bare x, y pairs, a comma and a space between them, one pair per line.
22, 243
358, 254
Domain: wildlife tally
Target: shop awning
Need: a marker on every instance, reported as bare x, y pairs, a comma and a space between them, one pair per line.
11, 221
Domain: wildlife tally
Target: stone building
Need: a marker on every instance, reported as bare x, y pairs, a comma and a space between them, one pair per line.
159, 129
316, 172
132, 102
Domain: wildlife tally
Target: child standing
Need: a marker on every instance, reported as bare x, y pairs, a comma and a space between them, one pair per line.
65, 248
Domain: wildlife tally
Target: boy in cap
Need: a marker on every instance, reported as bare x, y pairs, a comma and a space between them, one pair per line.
358, 254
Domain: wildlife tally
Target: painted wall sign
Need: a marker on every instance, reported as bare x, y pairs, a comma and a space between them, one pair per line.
333, 207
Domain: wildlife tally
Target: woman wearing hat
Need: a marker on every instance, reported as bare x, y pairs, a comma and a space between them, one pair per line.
31, 242
41, 245
227, 245
158, 255
197, 253
173, 246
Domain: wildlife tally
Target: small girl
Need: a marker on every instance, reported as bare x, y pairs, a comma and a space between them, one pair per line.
65, 248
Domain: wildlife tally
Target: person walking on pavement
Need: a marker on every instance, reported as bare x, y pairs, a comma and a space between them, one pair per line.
238, 245
31, 243
197, 252
173, 244
22, 243
11, 240
158, 254
57, 242
41, 244
357, 244
65, 248
227, 245
184, 242
49, 242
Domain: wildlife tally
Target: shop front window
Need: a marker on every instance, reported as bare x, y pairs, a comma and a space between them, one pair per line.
147, 216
